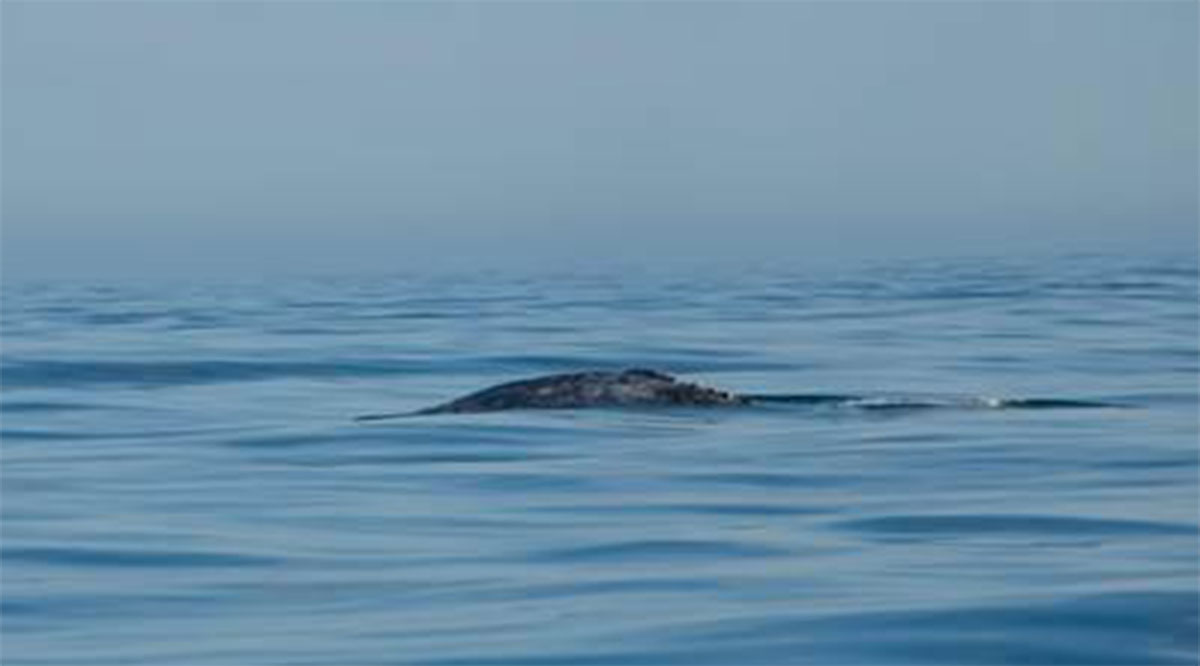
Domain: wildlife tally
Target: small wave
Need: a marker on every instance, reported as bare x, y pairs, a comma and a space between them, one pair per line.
684, 508
1136, 627
78, 556
885, 403
40, 406
143, 434
899, 402
59, 374
1029, 525
1047, 403
667, 550
770, 480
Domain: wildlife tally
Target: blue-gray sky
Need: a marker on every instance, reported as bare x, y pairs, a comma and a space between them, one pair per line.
412, 135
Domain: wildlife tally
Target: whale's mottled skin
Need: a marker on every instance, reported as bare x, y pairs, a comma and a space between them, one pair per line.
626, 388
639, 387
589, 389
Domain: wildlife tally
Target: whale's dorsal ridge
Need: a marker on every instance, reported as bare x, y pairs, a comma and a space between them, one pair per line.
596, 388
647, 373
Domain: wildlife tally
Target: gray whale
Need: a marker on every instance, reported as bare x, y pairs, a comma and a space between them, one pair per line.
639, 387
625, 388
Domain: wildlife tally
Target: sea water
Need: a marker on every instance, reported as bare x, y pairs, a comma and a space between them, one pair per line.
183, 482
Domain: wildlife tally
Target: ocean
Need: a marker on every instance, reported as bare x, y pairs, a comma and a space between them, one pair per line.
184, 483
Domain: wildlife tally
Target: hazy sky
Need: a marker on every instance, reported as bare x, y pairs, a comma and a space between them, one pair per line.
327, 134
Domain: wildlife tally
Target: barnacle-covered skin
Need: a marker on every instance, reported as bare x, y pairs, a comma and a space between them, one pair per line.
627, 388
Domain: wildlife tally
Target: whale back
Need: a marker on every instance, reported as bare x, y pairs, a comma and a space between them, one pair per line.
639, 387
626, 388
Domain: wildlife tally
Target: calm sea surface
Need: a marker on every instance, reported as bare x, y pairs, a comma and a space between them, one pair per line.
183, 483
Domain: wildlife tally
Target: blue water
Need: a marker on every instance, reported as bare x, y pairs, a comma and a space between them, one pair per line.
183, 482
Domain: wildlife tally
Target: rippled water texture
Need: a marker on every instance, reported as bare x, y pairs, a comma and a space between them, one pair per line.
184, 484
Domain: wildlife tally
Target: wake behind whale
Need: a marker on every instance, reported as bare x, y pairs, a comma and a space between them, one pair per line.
638, 387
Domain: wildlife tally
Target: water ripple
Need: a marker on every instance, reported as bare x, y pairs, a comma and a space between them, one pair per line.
1028, 525
668, 550
77, 556
61, 374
